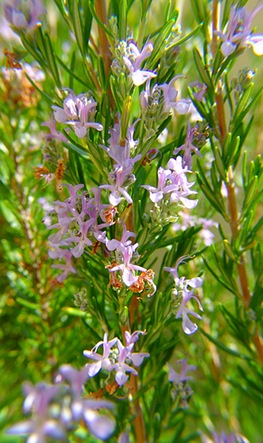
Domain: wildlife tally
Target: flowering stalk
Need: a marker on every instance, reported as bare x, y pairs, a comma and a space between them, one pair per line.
230, 185
131, 129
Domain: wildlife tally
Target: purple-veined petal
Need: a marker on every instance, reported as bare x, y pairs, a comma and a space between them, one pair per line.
121, 377
24, 427
54, 429
137, 358
139, 77
228, 48
257, 43
80, 131
94, 368
99, 425
182, 106
195, 282
189, 204
59, 114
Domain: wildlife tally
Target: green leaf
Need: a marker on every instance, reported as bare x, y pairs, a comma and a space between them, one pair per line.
75, 146
223, 347
212, 197
72, 74
187, 36
203, 71
28, 304
123, 19
51, 61
4, 191
159, 44
229, 250
251, 190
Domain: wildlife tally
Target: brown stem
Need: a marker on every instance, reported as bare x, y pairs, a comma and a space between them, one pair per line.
101, 12
100, 7
234, 222
222, 126
138, 420
258, 342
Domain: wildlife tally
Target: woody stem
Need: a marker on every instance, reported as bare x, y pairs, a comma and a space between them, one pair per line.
232, 203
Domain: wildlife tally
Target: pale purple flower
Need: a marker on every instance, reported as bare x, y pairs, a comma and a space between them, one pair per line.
70, 407
199, 90
99, 425
132, 338
39, 430
173, 181
124, 358
121, 244
121, 178
105, 360
124, 438
7, 33
24, 15
41, 425
121, 367
54, 133
81, 239
239, 33
188, 148
171, 97
187, 220
38, 397
76, 378
76, 113
180, 379
180, 186
133, 61
77, 225
116, 357
184, 294
157, 194
121, 154
188, 326
224, 438
126, 267
66, 268
182, 376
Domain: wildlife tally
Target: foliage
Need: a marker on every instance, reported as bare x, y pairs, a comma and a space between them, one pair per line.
131, 197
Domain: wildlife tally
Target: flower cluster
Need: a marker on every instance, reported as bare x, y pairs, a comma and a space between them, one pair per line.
173, 182
116, 357
133, 61
77, 226
56, 409
121, 177
186, 220
24, 15
78, 112
182, 296
238, 34
180, 379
